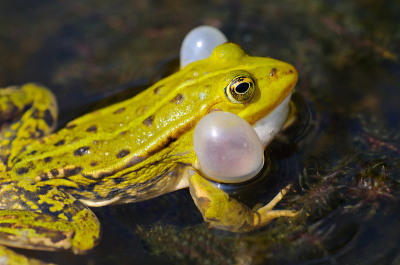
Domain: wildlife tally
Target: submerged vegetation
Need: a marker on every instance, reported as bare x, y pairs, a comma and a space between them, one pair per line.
352, 191
342, 204
346, 182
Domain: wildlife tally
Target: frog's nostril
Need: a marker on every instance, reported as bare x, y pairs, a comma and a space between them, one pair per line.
273, 72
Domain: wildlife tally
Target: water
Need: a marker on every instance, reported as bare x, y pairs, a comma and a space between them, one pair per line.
345, 169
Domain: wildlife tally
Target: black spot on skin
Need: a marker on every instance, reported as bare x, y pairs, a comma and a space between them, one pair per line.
31, 165
43, 176
123, 153
114, 192
103, 175
92, 128
4, 159
72, 171
59, 143
273, 72
287, 72
37, 133
22, 170
54, 172
81, 151
170, 141
5, 225
70, 126
48, 159
93, 163
122, 133
133, 161
119, 111
33, 152
148, 121
178, 99
48, 118
118, 180
88, 176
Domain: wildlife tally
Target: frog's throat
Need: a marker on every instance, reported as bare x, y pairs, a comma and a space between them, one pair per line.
268, 126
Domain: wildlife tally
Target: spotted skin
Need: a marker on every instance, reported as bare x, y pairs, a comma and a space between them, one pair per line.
27, 113
40, 216
9, 257
131, 151
37, 216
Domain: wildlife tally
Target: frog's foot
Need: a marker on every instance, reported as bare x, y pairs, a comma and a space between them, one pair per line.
223, 212
26, 113
45, 218
266, 213
9, 257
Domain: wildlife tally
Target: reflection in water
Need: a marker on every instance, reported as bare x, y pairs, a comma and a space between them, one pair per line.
343, 207
344, 160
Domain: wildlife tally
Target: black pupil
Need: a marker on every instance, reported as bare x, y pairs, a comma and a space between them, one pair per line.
242, 87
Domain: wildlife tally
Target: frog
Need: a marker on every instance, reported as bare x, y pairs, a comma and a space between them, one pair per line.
131, 151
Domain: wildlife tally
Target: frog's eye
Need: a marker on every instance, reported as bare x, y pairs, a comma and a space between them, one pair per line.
227, 147
241, 89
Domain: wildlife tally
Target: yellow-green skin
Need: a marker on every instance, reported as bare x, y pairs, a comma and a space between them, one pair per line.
131, 151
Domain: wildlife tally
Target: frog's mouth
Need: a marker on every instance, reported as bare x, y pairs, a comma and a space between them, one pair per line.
270, 125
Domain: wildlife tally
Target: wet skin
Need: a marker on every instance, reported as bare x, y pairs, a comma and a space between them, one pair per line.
131, 151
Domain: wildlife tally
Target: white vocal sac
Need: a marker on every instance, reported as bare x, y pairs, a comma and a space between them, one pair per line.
227, 148
199, 44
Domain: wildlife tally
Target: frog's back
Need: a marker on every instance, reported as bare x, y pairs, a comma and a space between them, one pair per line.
128, 148
134, 143
156, 124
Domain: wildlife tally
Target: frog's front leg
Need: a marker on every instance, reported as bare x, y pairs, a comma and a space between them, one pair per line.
36, 216
223, 212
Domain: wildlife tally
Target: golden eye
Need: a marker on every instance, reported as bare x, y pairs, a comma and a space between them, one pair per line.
241, 89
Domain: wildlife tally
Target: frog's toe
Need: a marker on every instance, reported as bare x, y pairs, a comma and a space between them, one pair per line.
223, 212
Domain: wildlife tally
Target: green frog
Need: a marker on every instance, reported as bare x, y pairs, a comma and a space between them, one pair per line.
130, 151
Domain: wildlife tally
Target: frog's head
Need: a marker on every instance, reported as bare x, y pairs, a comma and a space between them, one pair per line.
254, 88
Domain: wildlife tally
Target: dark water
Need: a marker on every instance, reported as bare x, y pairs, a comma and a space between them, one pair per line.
345, 171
